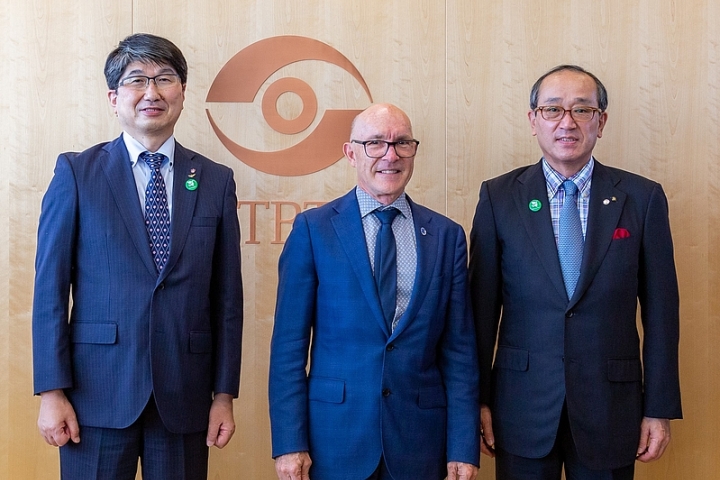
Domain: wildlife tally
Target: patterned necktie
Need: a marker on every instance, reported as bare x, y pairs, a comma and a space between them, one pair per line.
570, 238
386, 263
157, 213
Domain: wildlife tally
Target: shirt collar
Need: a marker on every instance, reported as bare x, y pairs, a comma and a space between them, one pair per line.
135, 148
553, 179
368, 204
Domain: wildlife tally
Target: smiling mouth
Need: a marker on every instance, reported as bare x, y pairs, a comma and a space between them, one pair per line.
388, 171
152, 110
567, 139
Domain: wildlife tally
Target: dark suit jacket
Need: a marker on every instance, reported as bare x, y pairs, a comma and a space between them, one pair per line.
585, 351
411, 396
132, 332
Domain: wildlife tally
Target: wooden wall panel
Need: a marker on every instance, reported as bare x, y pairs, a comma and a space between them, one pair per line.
462, 69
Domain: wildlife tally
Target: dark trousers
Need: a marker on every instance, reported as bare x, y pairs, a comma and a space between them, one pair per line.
110, 453
513, 467
381, 473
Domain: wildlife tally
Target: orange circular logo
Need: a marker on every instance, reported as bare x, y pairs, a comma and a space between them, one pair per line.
240, 80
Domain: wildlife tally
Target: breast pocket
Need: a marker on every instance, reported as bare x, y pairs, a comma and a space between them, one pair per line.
204, 222
201, 238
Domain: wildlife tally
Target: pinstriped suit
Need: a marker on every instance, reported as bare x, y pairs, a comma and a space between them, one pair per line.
131, 332
585, 351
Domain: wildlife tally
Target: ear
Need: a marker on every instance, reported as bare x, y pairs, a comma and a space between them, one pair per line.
112, 98
601, 123
532, 117
349, 153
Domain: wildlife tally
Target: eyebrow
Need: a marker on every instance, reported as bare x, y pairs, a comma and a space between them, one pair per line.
581, 100
382, 137
137, 71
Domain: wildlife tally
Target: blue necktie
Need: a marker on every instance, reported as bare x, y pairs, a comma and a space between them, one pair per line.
570, 238
386, 264
157, 213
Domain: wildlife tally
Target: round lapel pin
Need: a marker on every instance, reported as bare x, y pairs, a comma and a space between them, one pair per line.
191, 184
535, 205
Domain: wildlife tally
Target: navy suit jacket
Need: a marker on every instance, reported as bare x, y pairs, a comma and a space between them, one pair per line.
411, 395
584, 350
131, 332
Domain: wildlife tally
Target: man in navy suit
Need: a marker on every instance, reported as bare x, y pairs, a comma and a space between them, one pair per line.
569, 384
147, 363
392, 388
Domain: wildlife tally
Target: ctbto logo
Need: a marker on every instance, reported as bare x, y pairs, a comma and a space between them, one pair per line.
241, 79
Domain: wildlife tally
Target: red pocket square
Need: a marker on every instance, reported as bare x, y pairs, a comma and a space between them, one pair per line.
620, 233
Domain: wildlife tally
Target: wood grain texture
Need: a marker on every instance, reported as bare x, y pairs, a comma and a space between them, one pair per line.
462, 69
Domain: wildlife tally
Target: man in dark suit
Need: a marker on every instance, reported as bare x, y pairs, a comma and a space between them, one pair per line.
143, 235
561, 252
392, 388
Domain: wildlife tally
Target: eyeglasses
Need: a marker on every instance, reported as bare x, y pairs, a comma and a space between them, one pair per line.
141, 82
554, 113
378, 148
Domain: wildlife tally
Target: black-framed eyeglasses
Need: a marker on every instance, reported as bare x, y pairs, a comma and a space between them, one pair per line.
141, 82
554, 113
378, 148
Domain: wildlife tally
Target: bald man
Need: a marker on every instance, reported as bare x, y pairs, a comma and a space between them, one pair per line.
377, 284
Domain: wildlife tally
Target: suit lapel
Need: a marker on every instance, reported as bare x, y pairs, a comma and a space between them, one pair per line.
602, 221
122, 186
349, 230
183, 203
538, 224
426, 239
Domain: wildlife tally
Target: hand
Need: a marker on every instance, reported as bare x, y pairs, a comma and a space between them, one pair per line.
461, 471
654, 438
293, 466
57, 421
221, 425
487, 445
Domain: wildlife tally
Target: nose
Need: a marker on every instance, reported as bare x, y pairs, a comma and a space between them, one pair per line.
391, 153
567, 120
151, 90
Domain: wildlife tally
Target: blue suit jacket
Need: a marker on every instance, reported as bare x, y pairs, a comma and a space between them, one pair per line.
132, 332
412, 395
584, 350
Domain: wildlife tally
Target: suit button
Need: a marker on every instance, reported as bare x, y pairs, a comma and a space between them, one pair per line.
570, 314
161, 286
386, 392
390, 347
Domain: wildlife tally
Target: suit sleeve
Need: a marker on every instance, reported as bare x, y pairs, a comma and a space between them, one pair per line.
294, 314
57, 234
659, 303
458, 355
485, 286
227, 296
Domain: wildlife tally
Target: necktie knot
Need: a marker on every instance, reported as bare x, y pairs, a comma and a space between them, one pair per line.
570, 188
153, 160
386, 216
